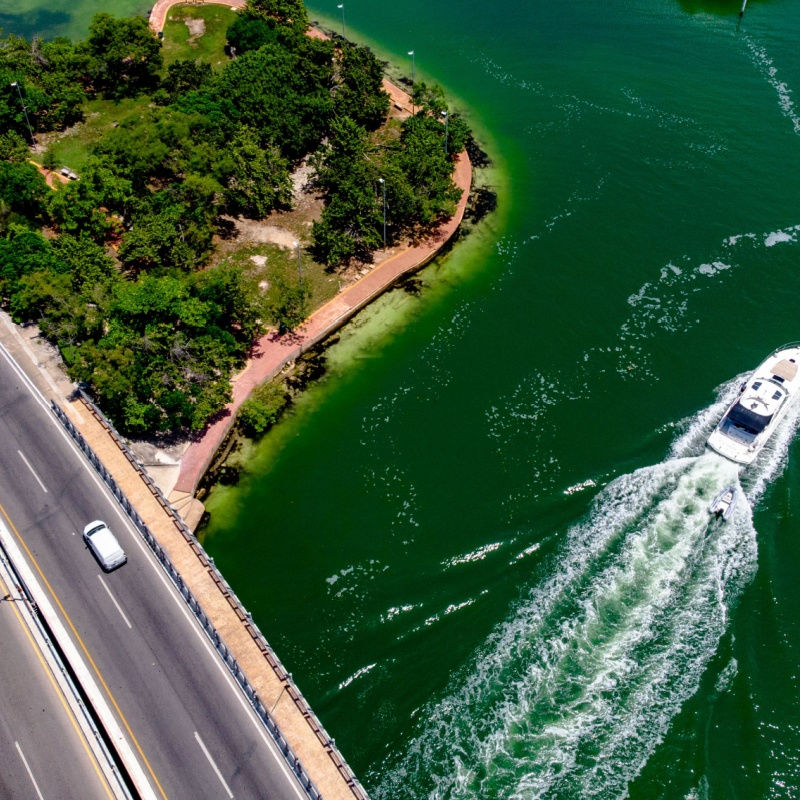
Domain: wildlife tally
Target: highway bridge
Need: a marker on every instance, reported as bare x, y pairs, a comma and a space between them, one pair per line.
173, 716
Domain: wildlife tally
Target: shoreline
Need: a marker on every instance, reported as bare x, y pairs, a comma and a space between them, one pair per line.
271, 353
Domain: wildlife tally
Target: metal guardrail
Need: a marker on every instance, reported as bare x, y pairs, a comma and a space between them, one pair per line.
270, 656
261, 710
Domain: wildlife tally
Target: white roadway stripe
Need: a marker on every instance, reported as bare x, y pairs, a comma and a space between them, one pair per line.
211, 761
33, 471
114, 600
27, 767
172, 592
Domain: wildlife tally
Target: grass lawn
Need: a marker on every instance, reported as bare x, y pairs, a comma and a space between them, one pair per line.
263, 262
72, 149
202, 38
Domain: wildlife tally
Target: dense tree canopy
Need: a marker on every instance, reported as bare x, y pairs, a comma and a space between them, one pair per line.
114, 266
249, 31
284, 94
359, 94
124, 55
259, 180
287, 13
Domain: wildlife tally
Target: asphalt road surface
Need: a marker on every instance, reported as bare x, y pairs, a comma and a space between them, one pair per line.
44, 753
187, 723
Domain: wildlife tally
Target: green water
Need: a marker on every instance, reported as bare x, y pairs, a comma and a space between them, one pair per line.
480, 544
434, 543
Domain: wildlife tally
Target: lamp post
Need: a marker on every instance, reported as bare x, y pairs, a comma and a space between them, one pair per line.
341, 8
411, 53
299, 263
25, 112
383, 184
446, 120
283, 689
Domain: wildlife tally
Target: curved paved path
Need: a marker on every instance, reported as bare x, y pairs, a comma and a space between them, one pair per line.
158, 13
272, 352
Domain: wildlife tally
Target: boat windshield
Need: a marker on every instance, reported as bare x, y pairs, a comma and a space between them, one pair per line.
747, 420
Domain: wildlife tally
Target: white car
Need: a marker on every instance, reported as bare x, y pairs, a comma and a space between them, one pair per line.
104, 545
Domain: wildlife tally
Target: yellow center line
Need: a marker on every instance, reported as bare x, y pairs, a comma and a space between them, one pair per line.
59, 693
85, 650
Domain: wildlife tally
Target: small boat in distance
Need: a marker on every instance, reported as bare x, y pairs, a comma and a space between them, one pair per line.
763, 401
723, 504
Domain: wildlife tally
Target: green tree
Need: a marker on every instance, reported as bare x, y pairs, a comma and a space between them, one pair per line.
22, 252
140, 146
186, 76
88, 262
85, 207
351, 224
12, 146
22, 190
359, 93
263, 408
287, 302
250, 31
428, 170
282, 94
162, 239
259, 181
289, 13
125, 55
234, 303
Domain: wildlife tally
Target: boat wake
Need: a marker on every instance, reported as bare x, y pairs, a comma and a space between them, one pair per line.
570, 697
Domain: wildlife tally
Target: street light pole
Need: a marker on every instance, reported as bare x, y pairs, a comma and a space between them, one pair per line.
341, 6
411, 53
299, 263
383, 184
446, 120
25, 112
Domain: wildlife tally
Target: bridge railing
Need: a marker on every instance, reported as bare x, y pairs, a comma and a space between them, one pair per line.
268, 653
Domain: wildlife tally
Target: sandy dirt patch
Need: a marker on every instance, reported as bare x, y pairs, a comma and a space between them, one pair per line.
197, 27
257, 232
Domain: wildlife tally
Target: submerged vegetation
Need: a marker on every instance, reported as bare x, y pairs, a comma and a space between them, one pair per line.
117, 266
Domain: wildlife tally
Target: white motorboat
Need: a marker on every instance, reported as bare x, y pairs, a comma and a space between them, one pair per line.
763, 401
723, 504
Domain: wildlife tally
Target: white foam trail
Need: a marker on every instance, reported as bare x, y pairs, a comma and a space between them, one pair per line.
475, 555
766, 66
571, 696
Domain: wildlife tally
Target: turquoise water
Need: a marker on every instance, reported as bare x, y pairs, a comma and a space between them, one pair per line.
47, 20
480, 543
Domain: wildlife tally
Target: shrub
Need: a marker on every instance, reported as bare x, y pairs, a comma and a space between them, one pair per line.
263, 408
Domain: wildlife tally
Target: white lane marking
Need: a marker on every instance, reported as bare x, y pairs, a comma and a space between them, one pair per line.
33, 471
114, 600
27, 767
211, 761
172, 591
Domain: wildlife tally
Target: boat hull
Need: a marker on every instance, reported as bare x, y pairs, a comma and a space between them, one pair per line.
764, 399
